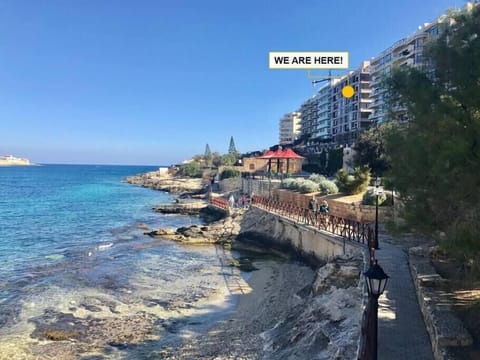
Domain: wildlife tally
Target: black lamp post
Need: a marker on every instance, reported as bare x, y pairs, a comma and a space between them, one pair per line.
377, 184
376, 283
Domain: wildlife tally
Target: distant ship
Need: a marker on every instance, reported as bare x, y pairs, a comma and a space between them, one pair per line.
10, 160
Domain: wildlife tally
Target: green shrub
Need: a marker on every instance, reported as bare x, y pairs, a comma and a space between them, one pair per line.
229, 173
308, 186
191, 169
369, 198
327, 187
317, 178
353, 183
289, 184
300, 184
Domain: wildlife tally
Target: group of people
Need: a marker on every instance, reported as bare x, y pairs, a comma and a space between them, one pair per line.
322, 208
240, 203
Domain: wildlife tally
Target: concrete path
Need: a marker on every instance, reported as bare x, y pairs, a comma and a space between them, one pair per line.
401, 330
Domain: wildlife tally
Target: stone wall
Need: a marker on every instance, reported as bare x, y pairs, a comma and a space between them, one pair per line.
354, 211
362, 213
261, 226
230, 185
446, 331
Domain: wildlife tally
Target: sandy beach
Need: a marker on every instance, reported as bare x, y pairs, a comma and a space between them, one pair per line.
262, 301
285, 310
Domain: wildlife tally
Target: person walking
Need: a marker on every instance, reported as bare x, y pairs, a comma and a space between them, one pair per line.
231, 201
312, 206
324, 207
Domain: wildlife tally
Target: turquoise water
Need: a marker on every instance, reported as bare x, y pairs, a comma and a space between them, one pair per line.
72, 245
52, 210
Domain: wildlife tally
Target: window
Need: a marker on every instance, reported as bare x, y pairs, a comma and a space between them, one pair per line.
251, 166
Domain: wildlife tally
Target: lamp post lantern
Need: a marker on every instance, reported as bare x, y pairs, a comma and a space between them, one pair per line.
376, 283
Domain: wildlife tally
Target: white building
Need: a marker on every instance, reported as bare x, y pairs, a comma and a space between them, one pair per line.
321, 132
406, 52
309, 116
290, 128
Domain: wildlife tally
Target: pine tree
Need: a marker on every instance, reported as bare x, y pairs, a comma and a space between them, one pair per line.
208, 155
435, 159
232, 149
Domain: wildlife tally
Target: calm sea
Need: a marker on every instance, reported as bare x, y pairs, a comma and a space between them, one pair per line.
72, 241
51, 211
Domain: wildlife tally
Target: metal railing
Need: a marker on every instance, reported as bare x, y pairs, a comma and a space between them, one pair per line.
348, 229
219, 202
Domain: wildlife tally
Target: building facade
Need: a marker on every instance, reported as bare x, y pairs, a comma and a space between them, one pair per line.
309, 117
289, 128
330, 120
406, 52
350, 116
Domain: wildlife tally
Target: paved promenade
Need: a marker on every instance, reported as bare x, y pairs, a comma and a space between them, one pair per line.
401, 330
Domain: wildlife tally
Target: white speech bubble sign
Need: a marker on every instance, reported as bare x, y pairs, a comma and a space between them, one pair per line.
308, 60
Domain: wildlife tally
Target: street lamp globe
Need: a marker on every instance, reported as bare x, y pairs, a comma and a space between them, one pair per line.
376, 280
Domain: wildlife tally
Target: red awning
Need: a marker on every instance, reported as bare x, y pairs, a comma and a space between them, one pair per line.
267, 155
290, 154
280, 154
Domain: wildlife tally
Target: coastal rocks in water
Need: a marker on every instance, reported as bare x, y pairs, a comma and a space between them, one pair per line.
62, 328
188, 208
142, 226
175, 185
219, 232
162, 232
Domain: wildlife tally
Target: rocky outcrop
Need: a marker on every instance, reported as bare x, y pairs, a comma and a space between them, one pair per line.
189, 208
219, 232
326, 322
172, 184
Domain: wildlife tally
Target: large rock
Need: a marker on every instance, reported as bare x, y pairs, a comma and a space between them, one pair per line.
218, 232
189, 208
176, 185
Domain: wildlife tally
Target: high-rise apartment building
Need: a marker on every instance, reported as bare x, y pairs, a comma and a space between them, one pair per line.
289, 128
309, 111
329, 119
350, 116
319, 135
406, 52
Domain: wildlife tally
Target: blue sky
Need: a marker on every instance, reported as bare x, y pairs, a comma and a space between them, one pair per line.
151, 82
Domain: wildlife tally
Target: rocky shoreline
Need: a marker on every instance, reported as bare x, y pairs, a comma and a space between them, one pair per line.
290, 311
188, 187
223, 231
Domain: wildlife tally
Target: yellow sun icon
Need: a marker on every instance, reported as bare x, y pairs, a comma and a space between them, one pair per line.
348, 91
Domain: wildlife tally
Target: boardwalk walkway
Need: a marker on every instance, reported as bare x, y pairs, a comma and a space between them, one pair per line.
401, 330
